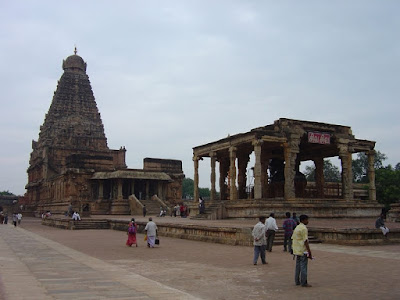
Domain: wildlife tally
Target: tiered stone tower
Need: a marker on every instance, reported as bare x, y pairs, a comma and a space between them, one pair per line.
71, 145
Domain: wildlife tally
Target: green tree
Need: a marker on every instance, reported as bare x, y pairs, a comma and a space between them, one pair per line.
331, 172
387, 185
187, 188
360, 166
6, 193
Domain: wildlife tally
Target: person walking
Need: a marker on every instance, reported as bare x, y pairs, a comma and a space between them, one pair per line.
19, 218
132, 229
258, 234
151, 232
288, 226
15, 219
270, 228
302, 252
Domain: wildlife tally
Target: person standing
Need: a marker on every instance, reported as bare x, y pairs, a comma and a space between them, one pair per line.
288, 225
15, 219
295, 219
144, 210
270, 228
258, 234
302, 252
19, 218
380, 224
151, 232
132, 229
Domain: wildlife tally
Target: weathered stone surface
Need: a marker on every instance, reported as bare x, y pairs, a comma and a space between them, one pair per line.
72, 164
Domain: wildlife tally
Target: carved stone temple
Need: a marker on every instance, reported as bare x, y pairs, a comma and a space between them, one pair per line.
71, 162
276, 183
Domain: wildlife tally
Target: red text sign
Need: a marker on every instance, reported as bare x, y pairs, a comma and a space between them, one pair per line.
319, 138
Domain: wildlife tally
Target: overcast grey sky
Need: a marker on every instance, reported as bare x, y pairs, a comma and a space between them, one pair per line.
171, 75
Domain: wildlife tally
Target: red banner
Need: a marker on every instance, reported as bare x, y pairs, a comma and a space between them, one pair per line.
319, 138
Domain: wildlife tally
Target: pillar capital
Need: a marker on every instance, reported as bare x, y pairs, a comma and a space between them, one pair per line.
232, 150
213, 154
257, 142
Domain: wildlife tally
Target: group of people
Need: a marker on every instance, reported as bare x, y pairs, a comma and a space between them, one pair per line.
295, 240
151, 236
181, 210
16, 218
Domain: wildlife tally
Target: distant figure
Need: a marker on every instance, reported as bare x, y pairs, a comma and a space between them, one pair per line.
19, 218
76, 216
288, 226
144, 210
302, 251
296, 219
15, 219
259, 242
70, 210
1, 217
151, 232
6, 218
270, 228
202, 206
132, 229
162, 212
380, 224
182, 210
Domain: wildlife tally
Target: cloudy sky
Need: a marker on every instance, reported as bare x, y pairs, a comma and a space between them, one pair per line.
171, 75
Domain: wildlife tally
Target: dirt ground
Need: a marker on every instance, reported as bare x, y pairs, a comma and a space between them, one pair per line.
214, 271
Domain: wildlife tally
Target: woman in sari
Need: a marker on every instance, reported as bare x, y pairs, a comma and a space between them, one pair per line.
132, 229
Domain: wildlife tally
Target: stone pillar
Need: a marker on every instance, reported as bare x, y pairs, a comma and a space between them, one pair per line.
196, 179
232, 173
119, 193
213, 157
347, 173
371, 175
290, 150
243, 160
160, 189
101, 189
258, 170
319, 176
148, 196
223, 172
133, 187
264, 173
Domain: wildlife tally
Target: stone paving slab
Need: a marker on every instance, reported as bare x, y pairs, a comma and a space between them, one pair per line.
33, 267
195, 269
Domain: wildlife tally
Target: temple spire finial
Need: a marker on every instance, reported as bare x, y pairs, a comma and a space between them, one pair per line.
75, 50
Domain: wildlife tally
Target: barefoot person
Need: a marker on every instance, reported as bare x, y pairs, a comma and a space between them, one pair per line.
302, 251
259, 242
132, 229
151, 232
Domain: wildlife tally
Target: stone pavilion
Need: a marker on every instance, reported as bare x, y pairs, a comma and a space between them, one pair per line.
277, 183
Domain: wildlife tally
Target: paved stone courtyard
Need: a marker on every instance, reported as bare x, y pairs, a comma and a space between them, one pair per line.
40, 262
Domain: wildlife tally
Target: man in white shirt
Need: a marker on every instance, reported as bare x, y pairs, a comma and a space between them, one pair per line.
151, 232
270, 228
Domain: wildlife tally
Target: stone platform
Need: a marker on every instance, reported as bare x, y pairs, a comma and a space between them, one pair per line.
238, 231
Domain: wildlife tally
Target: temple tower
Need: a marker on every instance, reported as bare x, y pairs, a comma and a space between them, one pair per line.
72, 144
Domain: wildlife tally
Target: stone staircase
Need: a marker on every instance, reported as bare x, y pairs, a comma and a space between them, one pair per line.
210, 211
89, 224
152, 207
